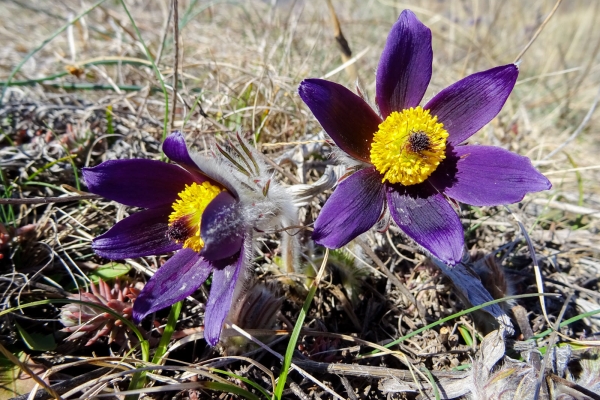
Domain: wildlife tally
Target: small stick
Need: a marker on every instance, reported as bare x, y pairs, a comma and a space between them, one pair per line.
175, 5
29, 372
403, 289
46, 200
549, 347
520, 314
537, 33
579, 129
574, 386
370, 371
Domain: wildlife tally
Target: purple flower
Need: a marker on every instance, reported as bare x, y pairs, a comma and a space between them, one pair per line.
411, 158
205, 209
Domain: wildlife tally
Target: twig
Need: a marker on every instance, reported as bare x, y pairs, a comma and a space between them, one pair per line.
537, 33
28, 371
165, 32
536, 267
63, 386
403, 289
292, 365
370, 371
549, 347
283, 171
44, 43
520, 314
579, 129
175, 6
574, 386
572, 208
46, 200
158, 57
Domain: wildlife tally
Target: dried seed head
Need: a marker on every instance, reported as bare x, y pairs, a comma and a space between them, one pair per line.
255, 308
264, 204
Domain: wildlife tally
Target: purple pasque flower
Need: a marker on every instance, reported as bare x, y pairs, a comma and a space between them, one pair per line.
410, 158
203, 208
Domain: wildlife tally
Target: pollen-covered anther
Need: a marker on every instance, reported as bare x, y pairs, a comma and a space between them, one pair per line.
408, 146
186, 218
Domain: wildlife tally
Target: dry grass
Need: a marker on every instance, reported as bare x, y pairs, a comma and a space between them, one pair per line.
242, 63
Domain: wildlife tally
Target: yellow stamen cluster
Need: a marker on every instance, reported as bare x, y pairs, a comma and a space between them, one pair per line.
408, 146
185, 220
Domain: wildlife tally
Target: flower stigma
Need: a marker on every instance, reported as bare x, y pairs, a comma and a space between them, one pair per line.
408, 146
185, 220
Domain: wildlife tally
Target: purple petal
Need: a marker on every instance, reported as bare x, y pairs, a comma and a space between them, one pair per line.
352, 209
221, 228
472, 102
175, 148
427, 217
404, 69
141, 234
346, 118
173, 282
223, 285
469, 285
487, 176
137, 182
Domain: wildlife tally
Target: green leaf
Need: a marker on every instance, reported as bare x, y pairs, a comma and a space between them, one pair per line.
466, 335
245, 380
109, 271
13, 381
36, 341
227, 388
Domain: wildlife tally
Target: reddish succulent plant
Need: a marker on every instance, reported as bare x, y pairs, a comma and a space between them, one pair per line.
81, 320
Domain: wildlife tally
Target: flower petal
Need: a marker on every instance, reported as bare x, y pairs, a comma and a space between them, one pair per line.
175, 148
427, 217
346, 118
141, 234
223, 285
404, 69
173, 282
137, 182
352, 209
221, 228
487, 176
469, 104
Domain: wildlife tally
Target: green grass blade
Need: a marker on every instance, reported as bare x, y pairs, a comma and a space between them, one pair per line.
434, 386
287, 361
226, 388
566, 322
50, 164
168, 332
45, 42
245, 380
456, 315
154, 67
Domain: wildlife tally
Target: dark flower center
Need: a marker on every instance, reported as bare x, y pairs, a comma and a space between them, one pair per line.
179, 230
418, 142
